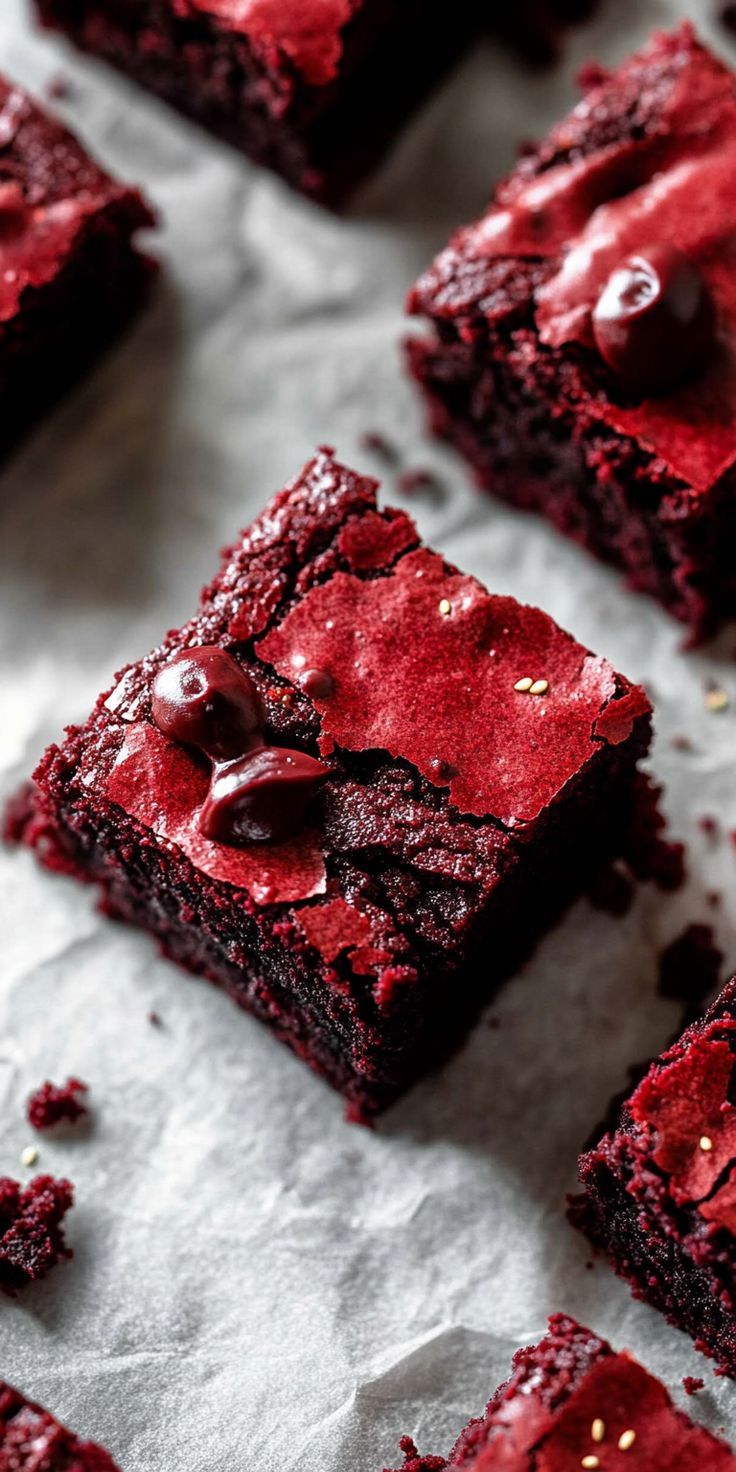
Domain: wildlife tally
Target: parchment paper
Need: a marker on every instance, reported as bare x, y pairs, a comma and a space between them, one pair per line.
256, 1284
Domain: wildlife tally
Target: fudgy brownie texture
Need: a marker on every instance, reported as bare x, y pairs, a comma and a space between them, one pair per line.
354, 790
31, 1229
583, 354
70, 275
573, 1402
32, 1440
315, 89
660, 1190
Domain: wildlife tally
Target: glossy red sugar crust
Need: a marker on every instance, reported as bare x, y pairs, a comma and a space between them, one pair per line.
543, 1418
658, 1189
513, 376
356, 937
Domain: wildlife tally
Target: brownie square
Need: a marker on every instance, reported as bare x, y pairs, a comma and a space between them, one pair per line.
70, 276
574, 1402
32, 1440
314, 89
583, 351
353, 790
659, 1190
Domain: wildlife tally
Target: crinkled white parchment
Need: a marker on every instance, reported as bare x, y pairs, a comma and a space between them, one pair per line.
256, 1284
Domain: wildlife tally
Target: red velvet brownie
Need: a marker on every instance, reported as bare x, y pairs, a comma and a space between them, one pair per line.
31, 1230
573, 1402
353, 790
583, 354
315, 89
32, 1440
660, 1187
70, 275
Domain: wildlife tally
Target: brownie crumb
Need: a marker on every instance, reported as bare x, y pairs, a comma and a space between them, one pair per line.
708, 825
612, 890
31, 1229
154, 1019
414, 481
376, 443
60, 89
691, 1384
680, 742
689, 968
51, 1104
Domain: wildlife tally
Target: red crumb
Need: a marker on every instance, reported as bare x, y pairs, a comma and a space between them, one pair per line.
51, 1104
377, 443
713, 898
612, 890
689, 968
681, 743
692, 1384
31, 1230
60, 89
154, 1019
410, 482
708, 824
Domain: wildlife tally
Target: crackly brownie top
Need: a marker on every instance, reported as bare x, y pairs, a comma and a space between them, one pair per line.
308, 34
618, 235
50, 189
32, 1440
682, 1119
573, 1402
442, 717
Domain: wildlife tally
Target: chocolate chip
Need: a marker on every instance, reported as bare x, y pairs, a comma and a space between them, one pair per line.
654, 323
203, 698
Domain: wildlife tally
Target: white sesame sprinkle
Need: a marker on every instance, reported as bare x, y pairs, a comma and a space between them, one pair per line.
706, 1144
523, 685
626, 1440
590, 1462
445, 606
716, 700
598, 1429
29, 1156
540, 687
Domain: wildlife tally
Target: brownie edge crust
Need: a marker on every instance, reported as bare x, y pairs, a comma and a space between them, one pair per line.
463, 767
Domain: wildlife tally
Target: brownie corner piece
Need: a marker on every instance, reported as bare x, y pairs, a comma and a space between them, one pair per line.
72, 277
30, 1437
315, 91
348, 781
582, 352
659, 1188
574, 1402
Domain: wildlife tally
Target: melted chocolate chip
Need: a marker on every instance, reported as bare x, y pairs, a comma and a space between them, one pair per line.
260, 797
203, 698
317, 683
654, 322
